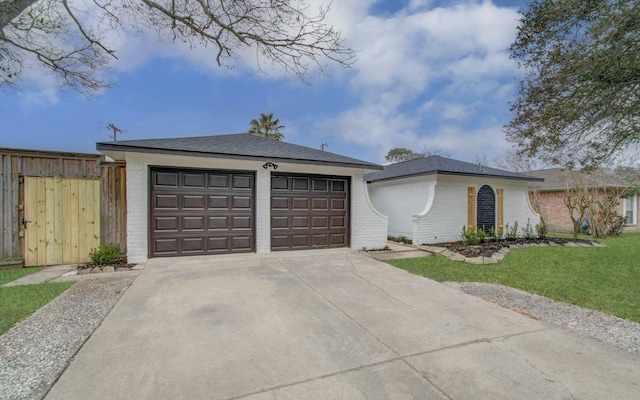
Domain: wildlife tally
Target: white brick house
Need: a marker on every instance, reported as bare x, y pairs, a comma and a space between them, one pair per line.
429, 200
242, 193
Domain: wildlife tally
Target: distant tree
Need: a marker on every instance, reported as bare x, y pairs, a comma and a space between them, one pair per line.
578, 104
267, 127
400, 154
69, 37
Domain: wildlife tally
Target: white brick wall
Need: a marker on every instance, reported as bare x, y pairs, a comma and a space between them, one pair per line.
368, 228
400, 200
438, 210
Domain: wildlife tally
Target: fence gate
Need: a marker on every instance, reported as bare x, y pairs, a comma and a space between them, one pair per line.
60, 219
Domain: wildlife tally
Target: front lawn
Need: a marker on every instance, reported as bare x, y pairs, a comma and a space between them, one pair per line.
19, 302
599, 278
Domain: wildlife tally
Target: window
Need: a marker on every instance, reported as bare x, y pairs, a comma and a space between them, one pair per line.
629, 210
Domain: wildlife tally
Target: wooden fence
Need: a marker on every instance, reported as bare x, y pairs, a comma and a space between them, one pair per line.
55, 207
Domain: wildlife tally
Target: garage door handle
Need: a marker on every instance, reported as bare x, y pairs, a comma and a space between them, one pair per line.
24, 222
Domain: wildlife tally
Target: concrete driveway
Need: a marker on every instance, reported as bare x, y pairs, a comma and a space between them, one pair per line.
328, 325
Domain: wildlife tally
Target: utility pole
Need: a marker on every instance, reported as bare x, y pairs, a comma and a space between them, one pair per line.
116, 130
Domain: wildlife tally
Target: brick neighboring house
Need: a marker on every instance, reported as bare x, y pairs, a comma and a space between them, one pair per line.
548, 197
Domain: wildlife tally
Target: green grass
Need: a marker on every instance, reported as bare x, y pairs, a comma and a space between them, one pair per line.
19, 302
599, 278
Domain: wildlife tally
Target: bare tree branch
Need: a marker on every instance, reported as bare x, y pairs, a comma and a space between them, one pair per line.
71, 41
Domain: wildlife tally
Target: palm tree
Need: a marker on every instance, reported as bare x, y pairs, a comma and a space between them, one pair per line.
267, 127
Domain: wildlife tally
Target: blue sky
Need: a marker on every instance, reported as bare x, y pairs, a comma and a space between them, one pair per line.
429, 74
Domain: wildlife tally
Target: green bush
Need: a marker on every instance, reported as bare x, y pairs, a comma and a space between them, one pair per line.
542, 229
105, 254
511, 232
528, 231
472, 236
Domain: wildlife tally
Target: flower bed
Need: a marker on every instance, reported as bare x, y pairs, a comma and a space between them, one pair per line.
488, 248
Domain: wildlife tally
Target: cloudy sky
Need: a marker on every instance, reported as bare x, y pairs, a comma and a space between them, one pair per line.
429, 75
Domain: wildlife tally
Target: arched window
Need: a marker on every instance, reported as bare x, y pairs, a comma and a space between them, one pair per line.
486, 208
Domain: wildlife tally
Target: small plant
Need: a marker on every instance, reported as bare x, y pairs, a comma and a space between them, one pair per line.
403, 239
511, 232
527, 231
470, 236
542, 229
481, 233
104, 254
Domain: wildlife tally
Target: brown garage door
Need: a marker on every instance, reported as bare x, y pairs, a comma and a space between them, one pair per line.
309, 212
197, 212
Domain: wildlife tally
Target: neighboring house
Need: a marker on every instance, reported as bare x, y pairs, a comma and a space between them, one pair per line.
242, 193
548, 197
429, 200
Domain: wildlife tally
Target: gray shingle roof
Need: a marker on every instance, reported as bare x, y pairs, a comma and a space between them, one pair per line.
441, 165
556, 179
238, 146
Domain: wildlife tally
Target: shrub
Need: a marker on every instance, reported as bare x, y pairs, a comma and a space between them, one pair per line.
527, 231
104, 254
511, 232
472, 236
542, 229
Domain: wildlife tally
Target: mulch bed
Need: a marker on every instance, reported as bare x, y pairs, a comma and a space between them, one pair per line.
119, 265
487, 249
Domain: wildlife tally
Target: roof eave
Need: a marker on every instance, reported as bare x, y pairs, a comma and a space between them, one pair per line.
436, 172
192, 153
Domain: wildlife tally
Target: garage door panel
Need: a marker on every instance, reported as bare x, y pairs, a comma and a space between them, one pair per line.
166, 246
300, 241
300, 184
191, 180
320, 240
218, 244
306, 212
201, 212
165, 224
338, 204
166, 179
218, 181
300, 203
193, 224
241, 223
298, 222
241, 202
338, 239
320, 185
320, 203
193, 245
338, 186
219, 202
219, 223
320, 222
280, 203
279, 222
166, 202
279, 183
337, 222
193, 202
241, 243
242, 182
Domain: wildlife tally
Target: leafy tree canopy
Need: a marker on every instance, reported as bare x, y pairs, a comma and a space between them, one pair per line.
400, 154
267, 127
578, 104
